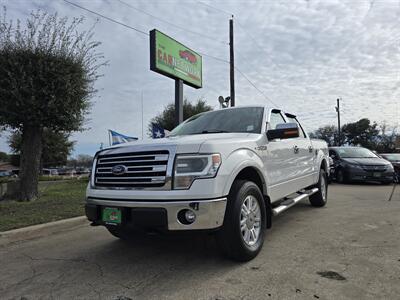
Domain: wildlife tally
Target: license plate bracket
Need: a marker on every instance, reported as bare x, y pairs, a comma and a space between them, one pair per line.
111, 215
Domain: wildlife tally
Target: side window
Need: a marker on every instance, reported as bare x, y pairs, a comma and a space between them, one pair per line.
294, 120
275, 119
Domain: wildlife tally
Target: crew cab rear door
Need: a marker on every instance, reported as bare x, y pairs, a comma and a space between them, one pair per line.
305, 157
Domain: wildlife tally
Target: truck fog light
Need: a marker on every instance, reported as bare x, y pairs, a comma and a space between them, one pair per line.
186, 216
190, 216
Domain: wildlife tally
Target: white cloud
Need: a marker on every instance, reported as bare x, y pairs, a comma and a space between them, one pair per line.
306, 54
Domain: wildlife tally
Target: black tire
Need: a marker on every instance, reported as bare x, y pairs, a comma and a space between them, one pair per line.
230, 237
340, 176
320, 198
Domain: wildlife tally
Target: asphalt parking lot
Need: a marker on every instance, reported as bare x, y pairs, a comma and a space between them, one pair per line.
349, 249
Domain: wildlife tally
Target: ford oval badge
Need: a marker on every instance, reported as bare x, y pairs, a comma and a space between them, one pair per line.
118, 170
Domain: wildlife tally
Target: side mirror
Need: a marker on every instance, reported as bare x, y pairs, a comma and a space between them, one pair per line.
284, 131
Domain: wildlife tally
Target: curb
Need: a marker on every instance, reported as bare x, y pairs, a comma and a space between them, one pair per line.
40, 230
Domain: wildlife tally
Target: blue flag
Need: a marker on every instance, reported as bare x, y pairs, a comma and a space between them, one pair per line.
158, 132
118, 138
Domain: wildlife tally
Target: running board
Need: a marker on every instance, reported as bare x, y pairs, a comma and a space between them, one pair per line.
290, 202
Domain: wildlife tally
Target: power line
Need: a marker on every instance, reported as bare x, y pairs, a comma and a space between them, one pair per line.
140, 31
214, 57
215, 8
133, 28
170, 23
260, 91
105, 17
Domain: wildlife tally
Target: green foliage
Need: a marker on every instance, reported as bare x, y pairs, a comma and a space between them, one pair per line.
4, 157
82, 160
361, 133
327, 133
387, 139
166, 119
47, 71
56, 147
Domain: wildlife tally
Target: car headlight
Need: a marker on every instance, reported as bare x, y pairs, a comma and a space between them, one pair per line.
187, 168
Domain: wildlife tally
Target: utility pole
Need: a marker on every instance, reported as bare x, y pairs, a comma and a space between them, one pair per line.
231, 62
338, 120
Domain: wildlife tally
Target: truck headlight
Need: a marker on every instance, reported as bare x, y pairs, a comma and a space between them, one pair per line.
187, 168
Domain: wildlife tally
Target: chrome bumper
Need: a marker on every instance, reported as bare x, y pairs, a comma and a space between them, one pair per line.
209, 213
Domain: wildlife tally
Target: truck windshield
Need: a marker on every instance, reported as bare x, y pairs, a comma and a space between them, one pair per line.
243, 119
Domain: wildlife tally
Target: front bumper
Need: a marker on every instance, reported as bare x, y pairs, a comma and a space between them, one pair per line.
209, 213
362, 175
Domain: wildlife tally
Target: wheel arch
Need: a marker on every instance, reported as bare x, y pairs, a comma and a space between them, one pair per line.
252, 173
324, 165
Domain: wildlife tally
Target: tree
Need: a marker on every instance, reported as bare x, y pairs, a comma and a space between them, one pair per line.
82, 160
4, 157
56, 147
47, 72
166, 119
361, 133
387, 139
327, 133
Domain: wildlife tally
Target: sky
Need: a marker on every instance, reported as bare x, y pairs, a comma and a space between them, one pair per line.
296, 55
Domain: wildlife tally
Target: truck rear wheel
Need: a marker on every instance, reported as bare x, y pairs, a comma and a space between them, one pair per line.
242, 234
320, 198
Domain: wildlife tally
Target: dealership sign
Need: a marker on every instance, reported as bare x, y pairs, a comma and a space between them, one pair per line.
172, 59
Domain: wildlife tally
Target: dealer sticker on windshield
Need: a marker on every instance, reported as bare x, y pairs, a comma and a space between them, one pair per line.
112, 215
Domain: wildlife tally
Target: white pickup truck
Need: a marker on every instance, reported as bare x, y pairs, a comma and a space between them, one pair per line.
228, 171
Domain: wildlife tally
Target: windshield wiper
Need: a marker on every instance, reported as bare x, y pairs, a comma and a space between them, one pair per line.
214, 131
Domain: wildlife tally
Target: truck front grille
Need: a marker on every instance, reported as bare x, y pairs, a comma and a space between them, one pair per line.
132, 170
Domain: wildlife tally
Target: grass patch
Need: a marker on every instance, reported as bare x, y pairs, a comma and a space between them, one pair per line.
59, 178
59, 200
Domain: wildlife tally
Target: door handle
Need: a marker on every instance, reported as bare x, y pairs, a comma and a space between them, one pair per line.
310, 149
296, 149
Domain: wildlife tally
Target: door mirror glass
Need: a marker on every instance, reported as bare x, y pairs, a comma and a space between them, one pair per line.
284, 131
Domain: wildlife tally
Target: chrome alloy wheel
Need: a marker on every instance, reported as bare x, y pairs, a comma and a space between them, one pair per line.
250, 220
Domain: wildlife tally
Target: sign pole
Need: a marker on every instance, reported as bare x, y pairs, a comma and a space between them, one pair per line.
178, 101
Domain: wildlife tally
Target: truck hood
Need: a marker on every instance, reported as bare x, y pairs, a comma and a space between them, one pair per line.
191, 143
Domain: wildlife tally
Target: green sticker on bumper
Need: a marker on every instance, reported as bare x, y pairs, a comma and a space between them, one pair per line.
112, 215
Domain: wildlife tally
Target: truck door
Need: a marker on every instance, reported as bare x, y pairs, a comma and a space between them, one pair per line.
279, 161
305, 157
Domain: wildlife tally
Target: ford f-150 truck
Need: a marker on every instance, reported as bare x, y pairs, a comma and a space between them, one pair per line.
228, 171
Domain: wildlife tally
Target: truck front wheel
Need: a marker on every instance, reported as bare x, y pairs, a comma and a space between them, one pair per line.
242, 234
